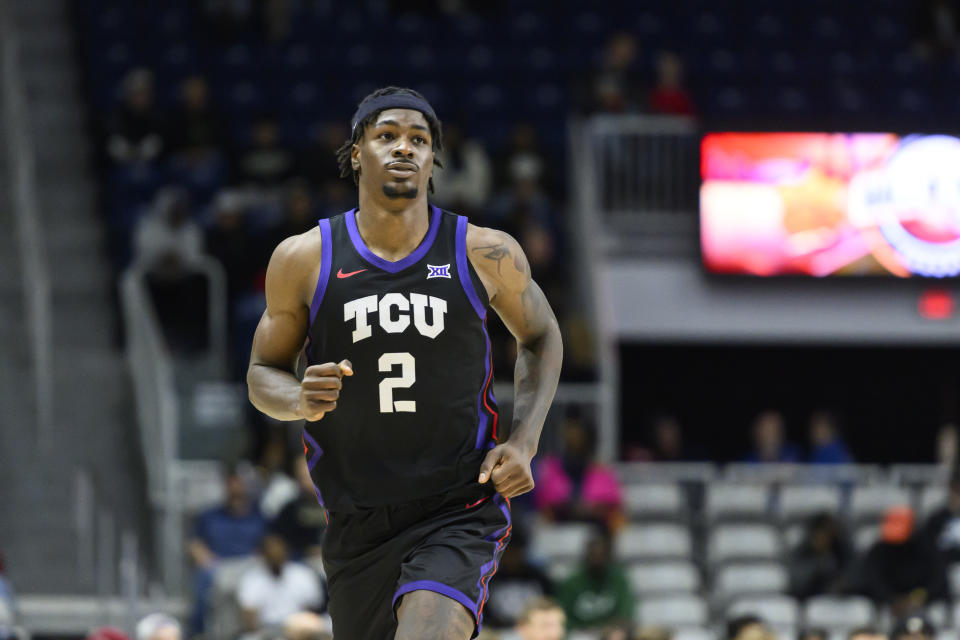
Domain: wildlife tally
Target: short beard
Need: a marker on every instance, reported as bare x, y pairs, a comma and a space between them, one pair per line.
391, 191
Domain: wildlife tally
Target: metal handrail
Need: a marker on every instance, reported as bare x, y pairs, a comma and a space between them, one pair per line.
36, 279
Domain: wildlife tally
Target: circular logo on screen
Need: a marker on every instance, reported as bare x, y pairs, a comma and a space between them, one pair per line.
916, 205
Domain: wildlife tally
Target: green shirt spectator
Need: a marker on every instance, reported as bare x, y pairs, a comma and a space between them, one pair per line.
598, 593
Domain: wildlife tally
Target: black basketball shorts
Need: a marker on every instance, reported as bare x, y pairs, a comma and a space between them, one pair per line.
450, 544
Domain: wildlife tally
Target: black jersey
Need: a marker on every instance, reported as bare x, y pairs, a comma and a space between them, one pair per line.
418, 414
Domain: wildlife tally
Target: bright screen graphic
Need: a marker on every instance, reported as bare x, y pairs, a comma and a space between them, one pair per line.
825, 204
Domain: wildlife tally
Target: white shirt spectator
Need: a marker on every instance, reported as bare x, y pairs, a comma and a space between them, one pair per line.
275, 598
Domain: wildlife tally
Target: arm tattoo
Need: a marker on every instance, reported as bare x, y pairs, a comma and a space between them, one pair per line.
495, 252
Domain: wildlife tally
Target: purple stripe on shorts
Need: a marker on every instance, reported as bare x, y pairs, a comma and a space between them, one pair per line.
437, 587
399, 265
314, 459
505, 509
326, 258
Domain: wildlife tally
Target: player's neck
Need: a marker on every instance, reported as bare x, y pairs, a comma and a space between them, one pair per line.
393, 233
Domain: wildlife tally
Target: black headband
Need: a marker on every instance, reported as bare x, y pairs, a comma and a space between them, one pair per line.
392, 101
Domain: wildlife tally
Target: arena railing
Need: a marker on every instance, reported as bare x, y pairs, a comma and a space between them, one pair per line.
36, 279
153, 370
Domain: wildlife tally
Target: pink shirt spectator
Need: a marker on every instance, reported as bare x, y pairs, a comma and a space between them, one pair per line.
601, 488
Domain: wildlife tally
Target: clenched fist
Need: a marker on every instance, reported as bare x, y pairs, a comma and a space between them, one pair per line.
508, 467
320, 388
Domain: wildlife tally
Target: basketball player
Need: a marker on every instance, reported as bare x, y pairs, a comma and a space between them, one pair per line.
389, 303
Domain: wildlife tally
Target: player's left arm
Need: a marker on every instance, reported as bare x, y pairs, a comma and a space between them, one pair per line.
520, 303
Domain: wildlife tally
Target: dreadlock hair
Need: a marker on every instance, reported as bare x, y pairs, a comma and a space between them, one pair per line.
345, 151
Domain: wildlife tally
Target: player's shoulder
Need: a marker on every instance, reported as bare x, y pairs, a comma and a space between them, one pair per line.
302, 249
488, 237
498, 259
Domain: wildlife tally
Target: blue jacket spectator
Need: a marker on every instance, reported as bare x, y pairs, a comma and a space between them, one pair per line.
769, 445
826, 445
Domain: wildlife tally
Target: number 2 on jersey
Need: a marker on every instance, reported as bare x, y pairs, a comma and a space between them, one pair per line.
408, 375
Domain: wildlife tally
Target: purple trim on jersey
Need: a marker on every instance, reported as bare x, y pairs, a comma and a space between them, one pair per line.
314, 459
326, 259
463, 269
399, 265
489, 569
482, 417
442, 589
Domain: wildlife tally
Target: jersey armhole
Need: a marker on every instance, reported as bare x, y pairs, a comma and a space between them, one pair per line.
465, 272
326, 259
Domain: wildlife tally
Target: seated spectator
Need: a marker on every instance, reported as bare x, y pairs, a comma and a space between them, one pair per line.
135, 131
265, 164
168, 244
826, 444
913, 627
942, 530
302, 521
107, 633
748, 628
275, 486
572, 486
518, 581
230, 241
231, 530
523, 160
936, 28
768, 440
299, 214
901, 570
598, 593
196, 127
306, 625
866, 633
463, 184
820, 563
668, 95
541, 619
615, 85
276, 588
651, 633
615, 632
948, 438
158, 626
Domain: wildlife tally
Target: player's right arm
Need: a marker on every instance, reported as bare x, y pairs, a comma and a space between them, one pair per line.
272, 383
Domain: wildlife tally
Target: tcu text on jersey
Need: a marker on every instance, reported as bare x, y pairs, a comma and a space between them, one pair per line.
393, 314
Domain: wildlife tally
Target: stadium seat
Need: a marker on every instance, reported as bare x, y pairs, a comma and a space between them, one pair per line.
560, 570
729, 501
673, 611
743, 541
657, 540
939, 614
664, 578
561, 541
841, 613
870, 501
793, 535
654, 500
741, 579
800, 502
778, 610
932, 497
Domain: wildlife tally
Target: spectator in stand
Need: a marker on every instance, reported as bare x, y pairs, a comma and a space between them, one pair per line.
866, 633
275, 485
913, 627
541, 619
168, 244
901, 570
948, 438
598, 593
7, 597
649, 633
107, 633
615, 87
196, 127
523, 160
265, 164
748, 628
464, 183
769, 445
518, 581
230, 241
819, 565
826, 444
232, 530
299, 215
942, 530
573, 486
301, 522
936, 28
158, 626
318, 165
276, 588
668, 95
306, 625
135, 131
